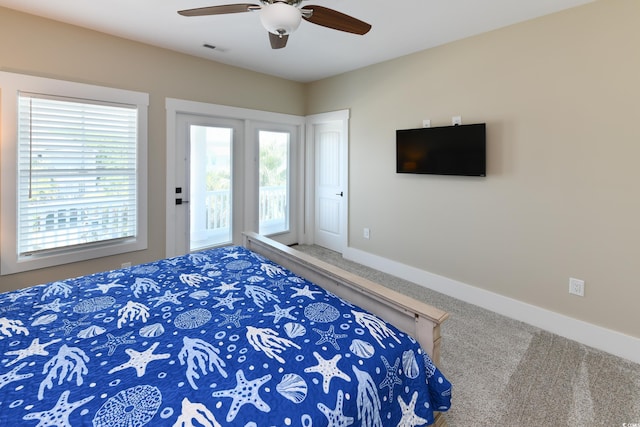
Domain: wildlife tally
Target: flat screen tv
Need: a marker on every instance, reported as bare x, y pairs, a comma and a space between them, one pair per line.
446, 150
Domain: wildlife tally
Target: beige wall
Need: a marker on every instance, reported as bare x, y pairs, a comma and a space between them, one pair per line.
561, 99
32, 45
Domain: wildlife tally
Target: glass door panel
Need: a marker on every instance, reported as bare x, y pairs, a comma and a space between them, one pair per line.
210, 186
232, 176
274, 176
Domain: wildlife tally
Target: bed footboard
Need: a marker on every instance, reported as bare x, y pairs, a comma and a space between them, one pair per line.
420, 320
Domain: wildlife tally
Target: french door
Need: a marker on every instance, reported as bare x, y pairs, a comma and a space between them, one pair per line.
275, 183
271, 169
233, 175
208, 192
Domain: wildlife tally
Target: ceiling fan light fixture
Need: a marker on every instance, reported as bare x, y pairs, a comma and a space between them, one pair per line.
280, 18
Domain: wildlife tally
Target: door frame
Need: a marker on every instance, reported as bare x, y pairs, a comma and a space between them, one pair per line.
179, 106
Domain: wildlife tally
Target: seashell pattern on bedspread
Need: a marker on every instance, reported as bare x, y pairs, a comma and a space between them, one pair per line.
223, 337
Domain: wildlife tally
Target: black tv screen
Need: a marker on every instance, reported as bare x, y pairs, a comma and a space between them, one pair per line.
446, 150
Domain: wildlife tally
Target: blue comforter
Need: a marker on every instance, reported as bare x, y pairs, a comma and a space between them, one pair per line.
218, 338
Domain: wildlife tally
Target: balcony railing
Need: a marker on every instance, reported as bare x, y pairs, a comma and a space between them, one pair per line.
211, 219
272, 207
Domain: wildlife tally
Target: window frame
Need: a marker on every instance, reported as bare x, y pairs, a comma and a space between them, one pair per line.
10, 86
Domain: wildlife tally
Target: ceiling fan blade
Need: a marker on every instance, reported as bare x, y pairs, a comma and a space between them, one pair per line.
336, 20
278, 41
220, 10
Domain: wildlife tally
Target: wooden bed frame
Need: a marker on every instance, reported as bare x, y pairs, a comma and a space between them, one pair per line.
420, 320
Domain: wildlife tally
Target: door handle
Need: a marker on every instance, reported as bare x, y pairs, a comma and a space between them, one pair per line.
180, 201
341, 194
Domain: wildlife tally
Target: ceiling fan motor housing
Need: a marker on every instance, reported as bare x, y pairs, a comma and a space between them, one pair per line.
280, 18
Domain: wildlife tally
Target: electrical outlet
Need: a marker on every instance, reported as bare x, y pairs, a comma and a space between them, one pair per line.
365, 233
576, 287
426, 123
456, 120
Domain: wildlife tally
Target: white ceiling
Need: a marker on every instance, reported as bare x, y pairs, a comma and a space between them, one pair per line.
400, 27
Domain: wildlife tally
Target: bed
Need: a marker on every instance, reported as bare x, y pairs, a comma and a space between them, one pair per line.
252, 335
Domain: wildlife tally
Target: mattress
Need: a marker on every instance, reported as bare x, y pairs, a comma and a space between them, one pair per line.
223, 337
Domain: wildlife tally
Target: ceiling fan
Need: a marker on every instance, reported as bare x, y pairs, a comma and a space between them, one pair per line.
282, 17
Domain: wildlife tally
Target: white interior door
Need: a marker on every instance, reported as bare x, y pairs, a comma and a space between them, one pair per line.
331, 188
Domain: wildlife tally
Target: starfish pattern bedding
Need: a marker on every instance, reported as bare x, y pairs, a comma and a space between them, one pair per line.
222, 337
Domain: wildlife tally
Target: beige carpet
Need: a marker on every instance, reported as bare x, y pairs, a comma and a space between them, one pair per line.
506, 373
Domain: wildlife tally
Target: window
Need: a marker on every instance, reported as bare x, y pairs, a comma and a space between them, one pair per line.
77, 187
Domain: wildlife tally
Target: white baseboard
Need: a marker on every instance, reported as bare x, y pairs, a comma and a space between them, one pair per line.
612, 342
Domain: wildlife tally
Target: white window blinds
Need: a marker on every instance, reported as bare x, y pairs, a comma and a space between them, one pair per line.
77, 171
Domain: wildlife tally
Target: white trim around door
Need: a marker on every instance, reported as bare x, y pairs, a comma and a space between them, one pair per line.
327, 179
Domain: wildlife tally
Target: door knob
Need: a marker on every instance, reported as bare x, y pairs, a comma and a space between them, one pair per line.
341, 194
